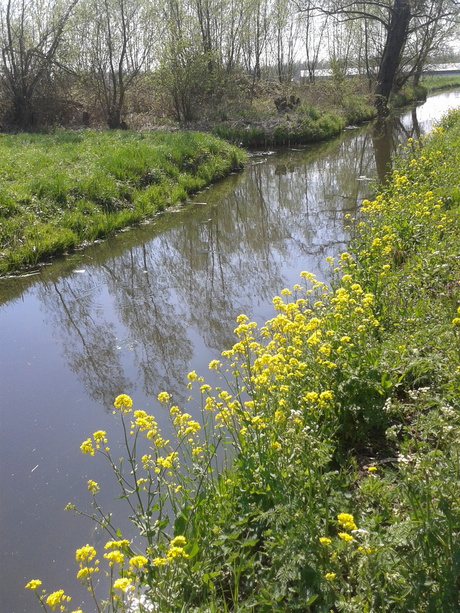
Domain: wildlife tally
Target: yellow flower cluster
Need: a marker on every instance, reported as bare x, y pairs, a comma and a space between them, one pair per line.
345, 536
99, 438
93, 487
347, 521
167, 461
114, 557
175, 551
123, 584
164, 397
116, 544
56, 598
123, 403
84, 555
137, 562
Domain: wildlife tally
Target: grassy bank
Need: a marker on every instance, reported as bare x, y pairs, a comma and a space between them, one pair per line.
439, 82
298, 115
64, 189
409, 94
324, 474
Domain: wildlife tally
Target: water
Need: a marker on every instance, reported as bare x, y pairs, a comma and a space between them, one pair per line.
136, 313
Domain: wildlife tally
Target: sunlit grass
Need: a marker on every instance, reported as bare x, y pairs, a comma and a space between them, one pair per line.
60, 190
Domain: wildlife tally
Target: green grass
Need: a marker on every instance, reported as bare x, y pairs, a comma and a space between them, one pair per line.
304, 125
437, 82
64, 189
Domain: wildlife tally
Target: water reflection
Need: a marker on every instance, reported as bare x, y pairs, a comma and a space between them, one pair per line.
130, 321
137, 312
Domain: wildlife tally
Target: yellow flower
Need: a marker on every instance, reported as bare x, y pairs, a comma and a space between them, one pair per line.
191, 376
347, 521
163, 396
122, 584
176, 552
159, 561
100, 436
116, 544
85, 571
124, 403
345, 536
324, 540
137, 562
87, 447
93, 487
330, 576
178, 541
85, 553
32, 585
364, 550
371, 468
55, 598
114, 556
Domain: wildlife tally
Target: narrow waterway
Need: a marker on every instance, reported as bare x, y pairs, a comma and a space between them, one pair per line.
136, 313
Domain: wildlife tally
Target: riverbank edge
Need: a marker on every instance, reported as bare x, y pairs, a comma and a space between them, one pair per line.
21, 253
83, 186
302, 124
340, 490
395, 460
382, 534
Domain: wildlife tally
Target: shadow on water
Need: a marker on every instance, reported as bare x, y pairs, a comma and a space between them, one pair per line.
137, 312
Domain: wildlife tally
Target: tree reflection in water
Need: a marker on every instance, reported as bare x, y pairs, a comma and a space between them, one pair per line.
139, 317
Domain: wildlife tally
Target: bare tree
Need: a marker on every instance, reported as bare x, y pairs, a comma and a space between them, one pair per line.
315, 28
116, 40
436, 27
31, 34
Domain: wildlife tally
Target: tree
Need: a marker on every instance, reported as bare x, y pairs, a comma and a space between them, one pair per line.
400, 19
285, 36
116, 38
31, 34
315, 28
256, 36
427, 39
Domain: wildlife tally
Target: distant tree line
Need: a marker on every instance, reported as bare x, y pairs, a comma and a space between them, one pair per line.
92, 56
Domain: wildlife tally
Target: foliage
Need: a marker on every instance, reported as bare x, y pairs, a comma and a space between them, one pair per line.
87, 61
63, 189
409, 95
323, 474
304, 126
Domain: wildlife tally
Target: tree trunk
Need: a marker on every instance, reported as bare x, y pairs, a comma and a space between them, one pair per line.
23, 112
391, 58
